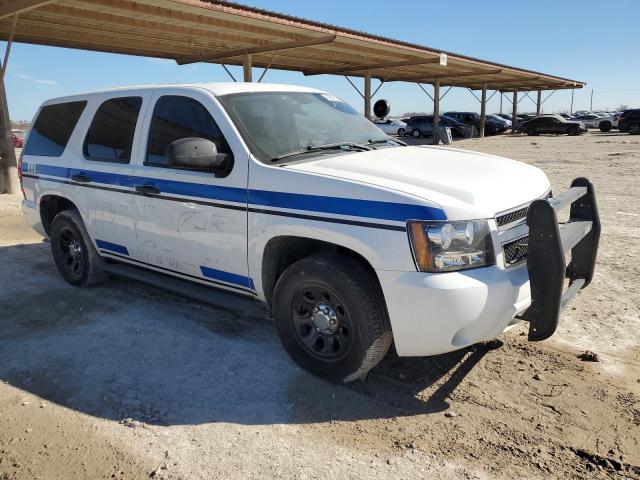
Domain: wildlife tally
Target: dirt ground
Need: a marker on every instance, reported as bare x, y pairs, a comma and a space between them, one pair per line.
124, 381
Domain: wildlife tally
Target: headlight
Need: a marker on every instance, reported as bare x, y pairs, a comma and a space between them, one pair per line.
449, 246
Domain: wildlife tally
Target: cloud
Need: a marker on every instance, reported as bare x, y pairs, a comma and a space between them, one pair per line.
40, 81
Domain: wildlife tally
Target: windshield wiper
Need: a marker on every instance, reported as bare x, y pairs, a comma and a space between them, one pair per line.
319, 148
385, 140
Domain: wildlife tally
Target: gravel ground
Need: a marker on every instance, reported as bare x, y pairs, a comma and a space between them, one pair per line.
125, 381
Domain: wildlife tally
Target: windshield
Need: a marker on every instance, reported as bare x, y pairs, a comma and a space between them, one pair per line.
277, 124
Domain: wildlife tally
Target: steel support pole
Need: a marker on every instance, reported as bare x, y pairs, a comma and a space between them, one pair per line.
483, 111
435, 137
367, 94
8, 164
501, 94
539, 104
514, 113
571, 109
246, 67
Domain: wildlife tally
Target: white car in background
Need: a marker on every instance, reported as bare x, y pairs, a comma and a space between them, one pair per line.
391, 126
589, 119
607, 122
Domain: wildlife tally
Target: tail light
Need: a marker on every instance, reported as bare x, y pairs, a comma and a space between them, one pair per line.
20, 174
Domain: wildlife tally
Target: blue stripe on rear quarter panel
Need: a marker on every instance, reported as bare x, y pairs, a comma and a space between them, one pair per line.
400, 212
227, 277
114, 247
346, 206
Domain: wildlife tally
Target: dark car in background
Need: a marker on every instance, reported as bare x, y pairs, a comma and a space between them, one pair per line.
422, 126
552, 124
629, 121
491, 127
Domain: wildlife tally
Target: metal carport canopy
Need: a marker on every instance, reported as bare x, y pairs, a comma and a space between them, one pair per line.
221, 32
215, 31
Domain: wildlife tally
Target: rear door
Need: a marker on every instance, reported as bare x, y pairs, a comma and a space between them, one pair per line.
100, 173
193, 224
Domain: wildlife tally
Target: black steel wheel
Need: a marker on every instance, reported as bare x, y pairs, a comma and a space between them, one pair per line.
321, 321
70, 250
331, 318
634, 129
605, 126
74, 253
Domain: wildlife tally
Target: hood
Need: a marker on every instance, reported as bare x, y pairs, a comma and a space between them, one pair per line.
464, 184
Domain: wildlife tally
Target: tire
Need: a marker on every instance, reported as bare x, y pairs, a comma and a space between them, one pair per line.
574, 131
331, 317
73, 252
415, 133
401, 132
532, 132
634, 129
605, 126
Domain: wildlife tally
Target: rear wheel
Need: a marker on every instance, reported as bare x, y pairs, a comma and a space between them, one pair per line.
605, 126
75, 256
532, 132
634, 129
415, 133
331, 317
401, 132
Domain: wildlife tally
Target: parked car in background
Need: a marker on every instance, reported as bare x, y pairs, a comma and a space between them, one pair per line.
491, 127
391, 126
422, 126
552, 124
629, 121
17, 140
505, 123
606, 122
503, 115
588, 119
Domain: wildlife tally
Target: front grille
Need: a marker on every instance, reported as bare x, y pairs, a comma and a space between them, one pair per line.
512, 217
515, 251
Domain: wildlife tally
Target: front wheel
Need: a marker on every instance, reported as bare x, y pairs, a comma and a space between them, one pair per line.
634, 129
401, 132
415, 133
331, 317
605, 126
574, 131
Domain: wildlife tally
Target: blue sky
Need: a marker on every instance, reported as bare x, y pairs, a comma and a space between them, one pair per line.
591, 41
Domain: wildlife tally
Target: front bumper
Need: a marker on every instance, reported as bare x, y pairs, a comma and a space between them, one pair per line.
433, 313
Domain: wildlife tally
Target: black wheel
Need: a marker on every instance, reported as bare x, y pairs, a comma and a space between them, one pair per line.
401, 132
573, 131
532, 132
74, 254
634, 129
415, 133
605, 126
331, 317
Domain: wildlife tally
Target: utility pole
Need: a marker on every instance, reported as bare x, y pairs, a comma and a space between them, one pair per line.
571, 109
591, 109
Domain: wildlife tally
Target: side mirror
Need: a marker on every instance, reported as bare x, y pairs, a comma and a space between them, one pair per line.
194, 153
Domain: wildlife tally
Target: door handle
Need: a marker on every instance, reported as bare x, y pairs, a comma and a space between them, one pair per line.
81, 178
148, 189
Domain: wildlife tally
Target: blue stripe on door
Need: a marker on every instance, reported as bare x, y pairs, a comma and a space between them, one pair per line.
113, 247
400, 212
227, 277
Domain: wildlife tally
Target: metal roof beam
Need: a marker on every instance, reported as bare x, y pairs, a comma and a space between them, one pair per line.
273, 47
12, 7
351, 69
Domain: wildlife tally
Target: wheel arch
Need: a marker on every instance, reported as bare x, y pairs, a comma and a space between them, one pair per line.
50, 205
282, 251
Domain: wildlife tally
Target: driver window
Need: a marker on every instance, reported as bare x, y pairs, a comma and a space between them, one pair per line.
176, 117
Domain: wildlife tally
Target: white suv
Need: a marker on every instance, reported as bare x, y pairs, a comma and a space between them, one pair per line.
288, 195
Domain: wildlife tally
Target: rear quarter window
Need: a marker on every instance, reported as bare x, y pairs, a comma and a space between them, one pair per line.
53, 128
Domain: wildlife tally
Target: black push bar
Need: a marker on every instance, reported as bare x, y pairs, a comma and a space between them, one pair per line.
549, 243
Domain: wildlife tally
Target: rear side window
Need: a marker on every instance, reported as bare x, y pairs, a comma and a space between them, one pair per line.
110, 136
53, 128
176, 117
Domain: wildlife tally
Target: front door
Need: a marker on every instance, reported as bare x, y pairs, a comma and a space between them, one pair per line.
189, 222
